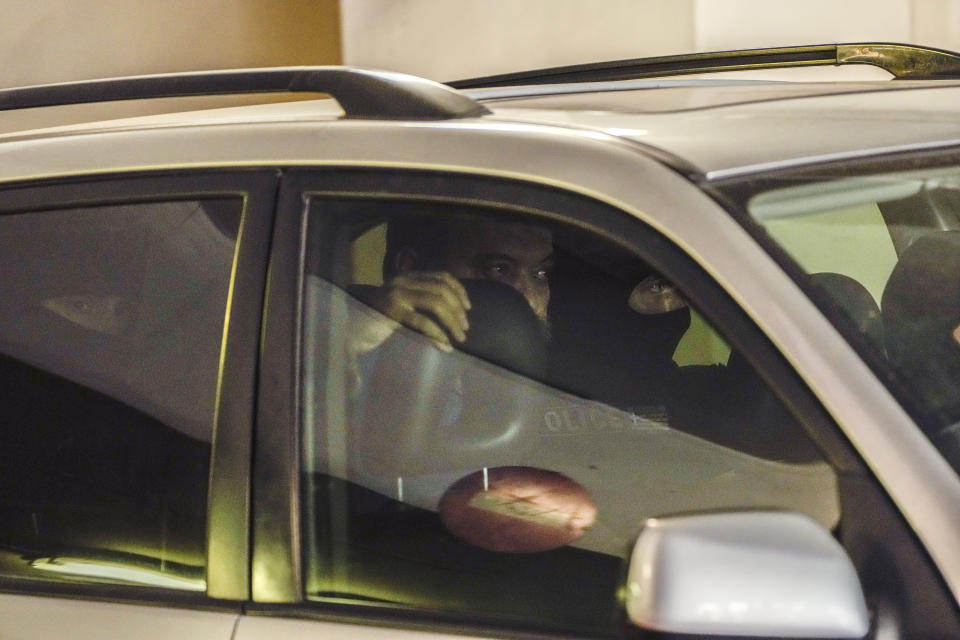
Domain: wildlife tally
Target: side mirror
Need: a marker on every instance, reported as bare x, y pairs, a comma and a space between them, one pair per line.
756, 573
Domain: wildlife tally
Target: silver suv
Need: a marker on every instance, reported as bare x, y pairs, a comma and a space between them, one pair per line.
592, 351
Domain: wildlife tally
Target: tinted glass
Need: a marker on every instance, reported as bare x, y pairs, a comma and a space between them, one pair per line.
499, 470
881, 255
111, 321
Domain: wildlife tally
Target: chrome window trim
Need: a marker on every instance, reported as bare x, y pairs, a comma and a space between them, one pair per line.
764, 167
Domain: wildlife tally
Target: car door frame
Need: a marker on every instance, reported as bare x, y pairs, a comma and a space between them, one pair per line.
227, 524
278, 562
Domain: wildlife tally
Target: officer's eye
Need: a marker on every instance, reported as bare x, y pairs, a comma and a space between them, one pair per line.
543, 271
498, 270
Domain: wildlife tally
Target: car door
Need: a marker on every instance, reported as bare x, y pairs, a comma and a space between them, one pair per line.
128, 330
655, 395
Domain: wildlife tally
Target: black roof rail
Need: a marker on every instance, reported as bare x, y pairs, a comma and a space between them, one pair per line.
901, 60
361, 93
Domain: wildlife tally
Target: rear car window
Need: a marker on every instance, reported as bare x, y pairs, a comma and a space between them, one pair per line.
111, 321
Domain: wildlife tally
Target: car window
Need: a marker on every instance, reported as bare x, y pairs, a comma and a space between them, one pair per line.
881, 255
111, 321
497, 467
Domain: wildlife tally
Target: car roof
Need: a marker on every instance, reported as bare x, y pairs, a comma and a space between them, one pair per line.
723, 129
708, 128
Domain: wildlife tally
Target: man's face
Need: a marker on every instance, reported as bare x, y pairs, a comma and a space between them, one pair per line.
519, 255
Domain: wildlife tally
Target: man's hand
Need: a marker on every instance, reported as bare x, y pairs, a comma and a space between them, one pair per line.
433, 303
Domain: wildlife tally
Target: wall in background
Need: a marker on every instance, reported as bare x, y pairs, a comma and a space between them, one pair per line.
43, 41
56, 40
732, 24
448, 39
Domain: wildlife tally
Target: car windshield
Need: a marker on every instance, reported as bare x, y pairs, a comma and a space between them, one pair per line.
880, 255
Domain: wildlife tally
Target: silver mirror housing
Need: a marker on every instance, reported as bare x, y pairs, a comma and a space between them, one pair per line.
771, 574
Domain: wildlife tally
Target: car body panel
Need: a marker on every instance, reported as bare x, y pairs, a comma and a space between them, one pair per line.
259, 627
594, 164
769, 134
30, 617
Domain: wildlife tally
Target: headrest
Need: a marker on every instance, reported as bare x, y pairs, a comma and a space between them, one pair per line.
921, 302
921, 308
855, 300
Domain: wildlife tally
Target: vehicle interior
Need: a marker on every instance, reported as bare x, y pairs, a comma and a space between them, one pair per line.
888, 242
602, 402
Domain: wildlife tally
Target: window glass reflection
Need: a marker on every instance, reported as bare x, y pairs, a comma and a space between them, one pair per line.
501, 468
